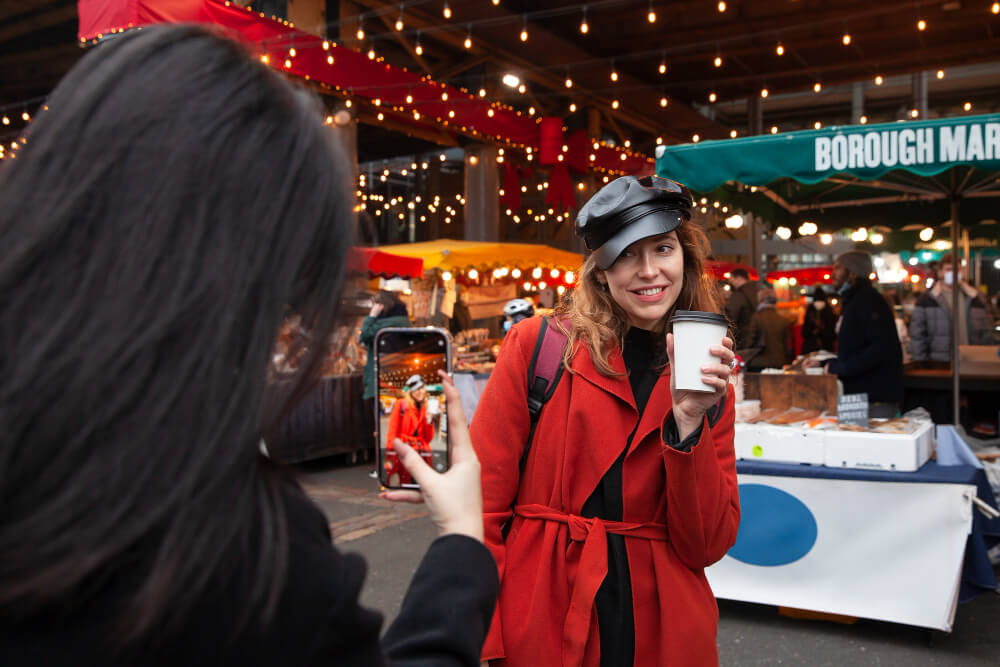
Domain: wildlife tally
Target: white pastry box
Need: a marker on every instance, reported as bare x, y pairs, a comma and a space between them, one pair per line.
785, 444
904, 452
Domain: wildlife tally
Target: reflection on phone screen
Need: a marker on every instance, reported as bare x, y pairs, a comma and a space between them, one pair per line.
411, 403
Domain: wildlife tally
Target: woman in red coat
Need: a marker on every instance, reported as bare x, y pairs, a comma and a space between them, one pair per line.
409, 422
629, 490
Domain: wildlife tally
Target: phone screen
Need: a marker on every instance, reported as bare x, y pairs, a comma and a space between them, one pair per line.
411, 405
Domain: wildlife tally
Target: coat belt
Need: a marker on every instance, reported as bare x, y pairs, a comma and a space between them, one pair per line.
592, 569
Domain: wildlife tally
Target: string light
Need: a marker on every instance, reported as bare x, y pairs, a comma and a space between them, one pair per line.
817, 125
763, 92
664, 101
468, 39
780, 50
718, 61
774, 129
967, 106
614, 104
399, 21
940, 74
926, 234
721, 6
663, 66
584, 26
568, 82
995, 8
826, 239
846, 39
419, 50
614, 72
572, 109
524, 28
732, 134
914, 113
817, 87
921, 25
863, 120
446, 10
651, 15
879, 80
712, 97
361, 31
482, 92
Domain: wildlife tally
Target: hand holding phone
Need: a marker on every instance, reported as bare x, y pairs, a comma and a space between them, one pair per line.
454, 498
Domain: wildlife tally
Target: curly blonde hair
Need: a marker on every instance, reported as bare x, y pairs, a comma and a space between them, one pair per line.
591, 316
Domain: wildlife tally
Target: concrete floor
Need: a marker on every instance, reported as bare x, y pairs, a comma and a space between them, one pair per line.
393, 539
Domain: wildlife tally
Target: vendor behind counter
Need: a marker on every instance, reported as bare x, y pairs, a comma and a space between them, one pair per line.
869, 357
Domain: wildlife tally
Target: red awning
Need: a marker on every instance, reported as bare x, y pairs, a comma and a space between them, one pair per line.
722, 270
813, 275
380, 264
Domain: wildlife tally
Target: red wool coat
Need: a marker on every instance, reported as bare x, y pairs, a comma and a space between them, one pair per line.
681, 513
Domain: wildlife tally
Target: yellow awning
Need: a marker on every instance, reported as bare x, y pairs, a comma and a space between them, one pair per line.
451, 254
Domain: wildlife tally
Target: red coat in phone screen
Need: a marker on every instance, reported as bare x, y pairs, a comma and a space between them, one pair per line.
409, 423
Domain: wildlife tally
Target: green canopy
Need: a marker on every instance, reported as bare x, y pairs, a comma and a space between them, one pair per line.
890, 174
867, 152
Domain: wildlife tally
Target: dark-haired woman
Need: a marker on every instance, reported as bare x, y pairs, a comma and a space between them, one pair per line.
173, 201
629, 488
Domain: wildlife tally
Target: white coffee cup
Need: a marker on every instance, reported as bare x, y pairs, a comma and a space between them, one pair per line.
695, 332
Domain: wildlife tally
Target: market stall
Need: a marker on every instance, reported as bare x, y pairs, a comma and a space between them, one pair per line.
840, 513
331, 418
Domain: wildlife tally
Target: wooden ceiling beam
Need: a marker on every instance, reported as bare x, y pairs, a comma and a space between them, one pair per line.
410, 48
39, 21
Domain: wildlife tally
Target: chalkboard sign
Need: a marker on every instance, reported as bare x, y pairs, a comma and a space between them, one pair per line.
853, 409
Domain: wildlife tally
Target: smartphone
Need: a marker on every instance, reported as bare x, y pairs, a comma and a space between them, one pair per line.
410, 404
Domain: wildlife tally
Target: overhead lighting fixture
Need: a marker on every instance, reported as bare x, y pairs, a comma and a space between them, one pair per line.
734, 221
695, 138
651, 15
926, 234
921, 25
721, 6
808, 228
774, 129
846, 39
967, 106
863, 120
763, 92
712, 97
511, 80
817, 87
780, 50
940, 74
718, 61
879, 80
826, 239
446, 10
584, 26
783, 233
732, 134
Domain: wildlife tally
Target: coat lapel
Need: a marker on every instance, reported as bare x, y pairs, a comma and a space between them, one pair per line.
657, 407
617, 385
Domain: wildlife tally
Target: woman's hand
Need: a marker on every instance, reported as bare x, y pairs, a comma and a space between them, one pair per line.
455, 498
376, 310
690, 406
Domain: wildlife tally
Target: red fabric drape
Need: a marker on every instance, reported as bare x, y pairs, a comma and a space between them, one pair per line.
350, 72
560, 192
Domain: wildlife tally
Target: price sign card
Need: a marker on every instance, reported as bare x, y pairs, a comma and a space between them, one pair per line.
853, 409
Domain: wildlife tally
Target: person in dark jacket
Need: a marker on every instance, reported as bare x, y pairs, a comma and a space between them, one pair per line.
387, 311
869, 357
741, 307
150, 258
819, 324
770, 332
930, 327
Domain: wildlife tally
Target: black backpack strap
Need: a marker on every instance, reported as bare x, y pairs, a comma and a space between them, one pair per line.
544, 372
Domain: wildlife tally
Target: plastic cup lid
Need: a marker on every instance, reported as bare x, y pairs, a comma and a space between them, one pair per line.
699, 316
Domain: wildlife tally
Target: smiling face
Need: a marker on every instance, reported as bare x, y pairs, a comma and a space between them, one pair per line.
646, 279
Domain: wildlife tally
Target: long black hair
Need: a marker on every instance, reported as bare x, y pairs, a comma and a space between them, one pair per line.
169, 206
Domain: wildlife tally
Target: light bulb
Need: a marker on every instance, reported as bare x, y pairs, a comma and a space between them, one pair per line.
718, 61
361, 33
846, 39
524, 34
783, 233
446, 11
863, 120
695, 138
732, 134
879, 80
712, 97
584, 28
721, 7
399, 24
664, 101
467, 43
419, 49
817, 87
569, 82
651, 16
763, 92
940, 74
780, 50
826, 239
921, 25
774, 129
663, 68
291, 52
967, 106
614, 104
926, 234
614, 75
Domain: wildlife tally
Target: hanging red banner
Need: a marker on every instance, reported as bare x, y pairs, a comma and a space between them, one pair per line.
350, 73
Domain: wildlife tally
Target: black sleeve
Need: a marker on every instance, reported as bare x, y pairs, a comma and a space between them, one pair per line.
444, 617
448, 607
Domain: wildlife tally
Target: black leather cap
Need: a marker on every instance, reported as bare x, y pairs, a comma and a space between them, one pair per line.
629, 209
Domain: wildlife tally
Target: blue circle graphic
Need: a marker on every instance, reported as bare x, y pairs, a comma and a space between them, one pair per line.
776, 528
